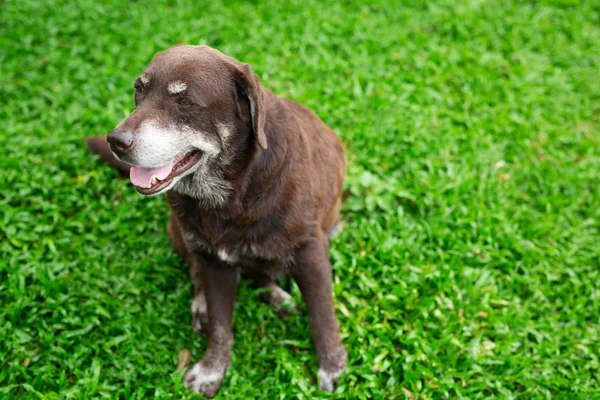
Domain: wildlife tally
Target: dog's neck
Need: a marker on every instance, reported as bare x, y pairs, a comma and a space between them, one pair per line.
225, 186
207, 185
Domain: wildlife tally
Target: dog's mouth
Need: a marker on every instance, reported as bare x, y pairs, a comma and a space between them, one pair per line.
152, 180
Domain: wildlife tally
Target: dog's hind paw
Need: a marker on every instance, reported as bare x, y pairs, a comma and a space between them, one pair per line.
203, 379
282, 302
200, 314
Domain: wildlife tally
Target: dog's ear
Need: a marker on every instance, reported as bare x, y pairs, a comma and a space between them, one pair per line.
248, 86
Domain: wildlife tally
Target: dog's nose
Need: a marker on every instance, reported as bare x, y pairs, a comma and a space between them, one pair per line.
120, 141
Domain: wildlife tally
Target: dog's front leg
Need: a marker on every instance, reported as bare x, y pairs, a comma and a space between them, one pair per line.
220, 283
312, 272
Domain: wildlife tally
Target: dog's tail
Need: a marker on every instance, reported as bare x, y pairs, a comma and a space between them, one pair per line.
99, 145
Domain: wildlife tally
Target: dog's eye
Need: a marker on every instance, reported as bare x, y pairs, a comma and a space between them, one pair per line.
138, 89
181, 100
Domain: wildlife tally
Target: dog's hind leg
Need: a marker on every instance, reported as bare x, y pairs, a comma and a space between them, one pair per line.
277, 297
199, 307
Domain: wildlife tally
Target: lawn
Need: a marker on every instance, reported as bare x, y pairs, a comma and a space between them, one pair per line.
469, 265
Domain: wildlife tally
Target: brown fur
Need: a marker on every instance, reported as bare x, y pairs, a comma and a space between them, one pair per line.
285, 168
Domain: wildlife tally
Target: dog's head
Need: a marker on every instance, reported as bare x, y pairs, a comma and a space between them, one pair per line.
195, 108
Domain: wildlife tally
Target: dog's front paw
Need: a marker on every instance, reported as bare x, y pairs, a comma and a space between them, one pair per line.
328, 375
329, 379
199, 314
203, 379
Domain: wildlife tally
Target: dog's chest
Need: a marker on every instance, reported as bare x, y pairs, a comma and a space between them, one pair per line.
241, 253
245, 247
238, 240
226, 252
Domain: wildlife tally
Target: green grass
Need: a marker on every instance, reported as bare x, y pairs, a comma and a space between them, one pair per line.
469, 263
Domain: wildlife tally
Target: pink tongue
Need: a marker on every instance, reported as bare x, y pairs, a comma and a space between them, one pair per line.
142, 177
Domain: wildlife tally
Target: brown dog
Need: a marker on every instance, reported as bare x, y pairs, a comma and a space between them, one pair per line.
254, 183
